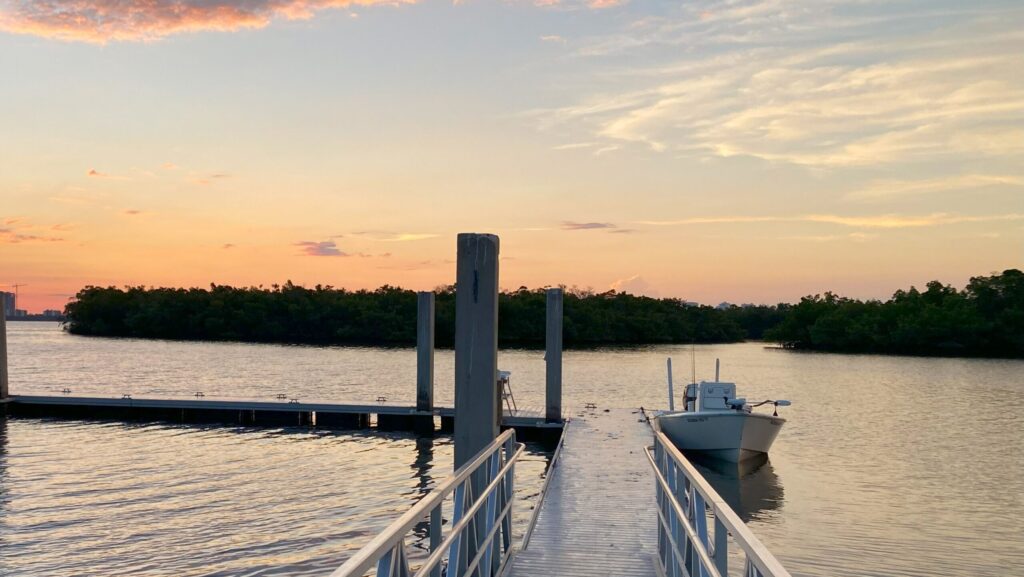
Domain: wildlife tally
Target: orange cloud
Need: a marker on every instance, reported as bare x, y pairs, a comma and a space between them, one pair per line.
101, 21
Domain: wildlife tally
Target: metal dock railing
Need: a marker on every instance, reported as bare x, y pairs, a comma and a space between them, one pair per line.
619, 499
479, 540
685, 500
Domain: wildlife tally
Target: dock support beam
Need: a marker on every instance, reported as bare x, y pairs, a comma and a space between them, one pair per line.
425, 361
553, 356
3, 354
477, 399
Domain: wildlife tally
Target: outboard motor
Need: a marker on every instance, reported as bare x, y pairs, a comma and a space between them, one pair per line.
690, 397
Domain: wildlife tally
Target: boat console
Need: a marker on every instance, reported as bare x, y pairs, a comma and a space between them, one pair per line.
713, 396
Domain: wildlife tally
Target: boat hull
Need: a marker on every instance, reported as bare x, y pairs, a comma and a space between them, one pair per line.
730, 436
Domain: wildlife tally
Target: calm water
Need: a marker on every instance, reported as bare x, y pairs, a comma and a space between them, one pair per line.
888, 466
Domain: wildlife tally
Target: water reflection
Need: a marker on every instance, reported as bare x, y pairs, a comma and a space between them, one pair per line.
3, 463
751, 487
424, 463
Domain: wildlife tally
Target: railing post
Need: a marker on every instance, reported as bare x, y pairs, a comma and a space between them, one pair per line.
435, 536
553, 355
721, 553
677, 481
700, 526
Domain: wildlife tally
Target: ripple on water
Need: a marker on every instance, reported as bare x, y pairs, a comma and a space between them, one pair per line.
85, 498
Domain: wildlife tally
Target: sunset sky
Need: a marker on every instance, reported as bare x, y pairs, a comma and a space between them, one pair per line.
746, 151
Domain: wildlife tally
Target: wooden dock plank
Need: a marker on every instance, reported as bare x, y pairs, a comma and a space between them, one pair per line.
598, 515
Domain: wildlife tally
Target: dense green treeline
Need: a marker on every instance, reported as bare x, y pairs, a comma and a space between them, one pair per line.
325, 315
984, 319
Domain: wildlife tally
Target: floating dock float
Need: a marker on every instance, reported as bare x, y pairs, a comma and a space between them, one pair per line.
530, 423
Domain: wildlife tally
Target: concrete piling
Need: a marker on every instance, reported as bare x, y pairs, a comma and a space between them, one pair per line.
425, 351
477, 398
424, 424
4, 392
553, 356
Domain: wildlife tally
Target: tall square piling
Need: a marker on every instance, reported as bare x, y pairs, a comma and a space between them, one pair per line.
553, 357
4, 383
477, 398
424, 423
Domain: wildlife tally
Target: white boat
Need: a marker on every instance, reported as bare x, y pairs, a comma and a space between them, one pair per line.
718, 424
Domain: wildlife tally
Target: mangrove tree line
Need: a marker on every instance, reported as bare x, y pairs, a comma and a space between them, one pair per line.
986, 318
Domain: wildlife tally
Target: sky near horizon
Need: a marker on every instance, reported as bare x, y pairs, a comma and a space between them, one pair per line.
743, 151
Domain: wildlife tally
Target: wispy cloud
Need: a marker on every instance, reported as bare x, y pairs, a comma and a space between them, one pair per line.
101, 21
819, 84
210, 178
872, 221
17, 230
570, 225
883, 189
131, 212
605, 3
853, 236
635, 285
93, 173
8, 236
322, 248
553, 38
574, 146
382, 236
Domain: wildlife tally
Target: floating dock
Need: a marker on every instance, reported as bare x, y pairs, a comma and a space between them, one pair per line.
596, 513
530, 423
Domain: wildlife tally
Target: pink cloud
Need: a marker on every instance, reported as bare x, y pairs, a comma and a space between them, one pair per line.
101, 21
324, 248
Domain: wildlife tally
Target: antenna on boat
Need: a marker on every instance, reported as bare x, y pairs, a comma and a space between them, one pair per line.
693, 361
671, 394
716, 370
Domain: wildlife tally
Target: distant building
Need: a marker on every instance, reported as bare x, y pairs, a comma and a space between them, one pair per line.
52, 314
20, 313
9, 302
723, 305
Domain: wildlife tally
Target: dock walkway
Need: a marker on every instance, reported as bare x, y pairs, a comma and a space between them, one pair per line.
598, 515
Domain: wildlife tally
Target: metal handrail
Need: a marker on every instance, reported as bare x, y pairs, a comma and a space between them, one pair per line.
478, 520
552, 463
685, 546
